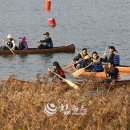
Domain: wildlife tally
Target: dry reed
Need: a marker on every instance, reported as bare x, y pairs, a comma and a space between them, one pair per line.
22, 106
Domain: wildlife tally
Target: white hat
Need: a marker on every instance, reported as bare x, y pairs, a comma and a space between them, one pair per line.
9, 36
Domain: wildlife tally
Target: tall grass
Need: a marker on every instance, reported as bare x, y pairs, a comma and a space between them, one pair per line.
22, 106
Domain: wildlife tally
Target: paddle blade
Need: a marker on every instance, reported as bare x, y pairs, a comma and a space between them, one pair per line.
72, 84
78, 72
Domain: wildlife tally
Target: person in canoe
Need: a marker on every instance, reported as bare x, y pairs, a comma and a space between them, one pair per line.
22, 44
58, 70
112, 72
46, 43
97, 62
9, 43
114, 56
82, 59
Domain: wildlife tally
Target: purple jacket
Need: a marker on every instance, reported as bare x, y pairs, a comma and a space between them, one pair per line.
25, 45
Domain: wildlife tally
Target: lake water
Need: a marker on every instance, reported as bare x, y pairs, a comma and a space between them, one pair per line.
93, 24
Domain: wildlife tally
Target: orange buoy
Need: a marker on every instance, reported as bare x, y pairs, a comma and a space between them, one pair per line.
52, 22
47, 5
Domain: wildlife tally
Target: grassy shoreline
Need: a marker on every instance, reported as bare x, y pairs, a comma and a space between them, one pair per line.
23, 104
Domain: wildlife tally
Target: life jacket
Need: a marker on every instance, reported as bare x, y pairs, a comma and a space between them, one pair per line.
97, 65
86, 57
9, 44
21, 46
116, 58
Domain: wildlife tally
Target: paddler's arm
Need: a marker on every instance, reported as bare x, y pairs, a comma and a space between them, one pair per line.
76, 59
50, 72
107, 73
110, 58
41, 41
103, 59
48, 40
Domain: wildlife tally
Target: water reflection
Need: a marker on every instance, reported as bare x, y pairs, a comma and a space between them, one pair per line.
9, 57
23, 58
46, 58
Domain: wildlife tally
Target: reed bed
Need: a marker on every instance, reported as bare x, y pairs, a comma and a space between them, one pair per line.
22, 106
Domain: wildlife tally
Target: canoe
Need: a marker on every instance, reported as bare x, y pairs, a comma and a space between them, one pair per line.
61, 49
90, 74
100, 74
123, 68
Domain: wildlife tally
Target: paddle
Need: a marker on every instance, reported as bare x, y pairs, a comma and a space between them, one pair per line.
7, 46
71, 65
105, 50
70, 83
80, 71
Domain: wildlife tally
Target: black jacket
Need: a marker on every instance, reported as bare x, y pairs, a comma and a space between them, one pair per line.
113, 74
48, 42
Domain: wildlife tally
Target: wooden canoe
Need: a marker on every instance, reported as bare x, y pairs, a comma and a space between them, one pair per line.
61, 49
90, 74
123, 68
98, 74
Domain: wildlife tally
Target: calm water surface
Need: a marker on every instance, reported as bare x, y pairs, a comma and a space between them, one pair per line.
93, 24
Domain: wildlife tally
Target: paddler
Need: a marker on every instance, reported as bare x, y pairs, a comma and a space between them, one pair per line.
82, 59
112, 72
58, 70
97, 62
114, 56
22, 43
10, 43
46, 43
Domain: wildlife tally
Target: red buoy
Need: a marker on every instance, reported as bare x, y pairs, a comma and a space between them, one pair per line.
52, 22
47, 5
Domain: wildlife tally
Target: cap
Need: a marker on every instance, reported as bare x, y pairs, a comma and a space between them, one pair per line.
9, 36
47, 33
